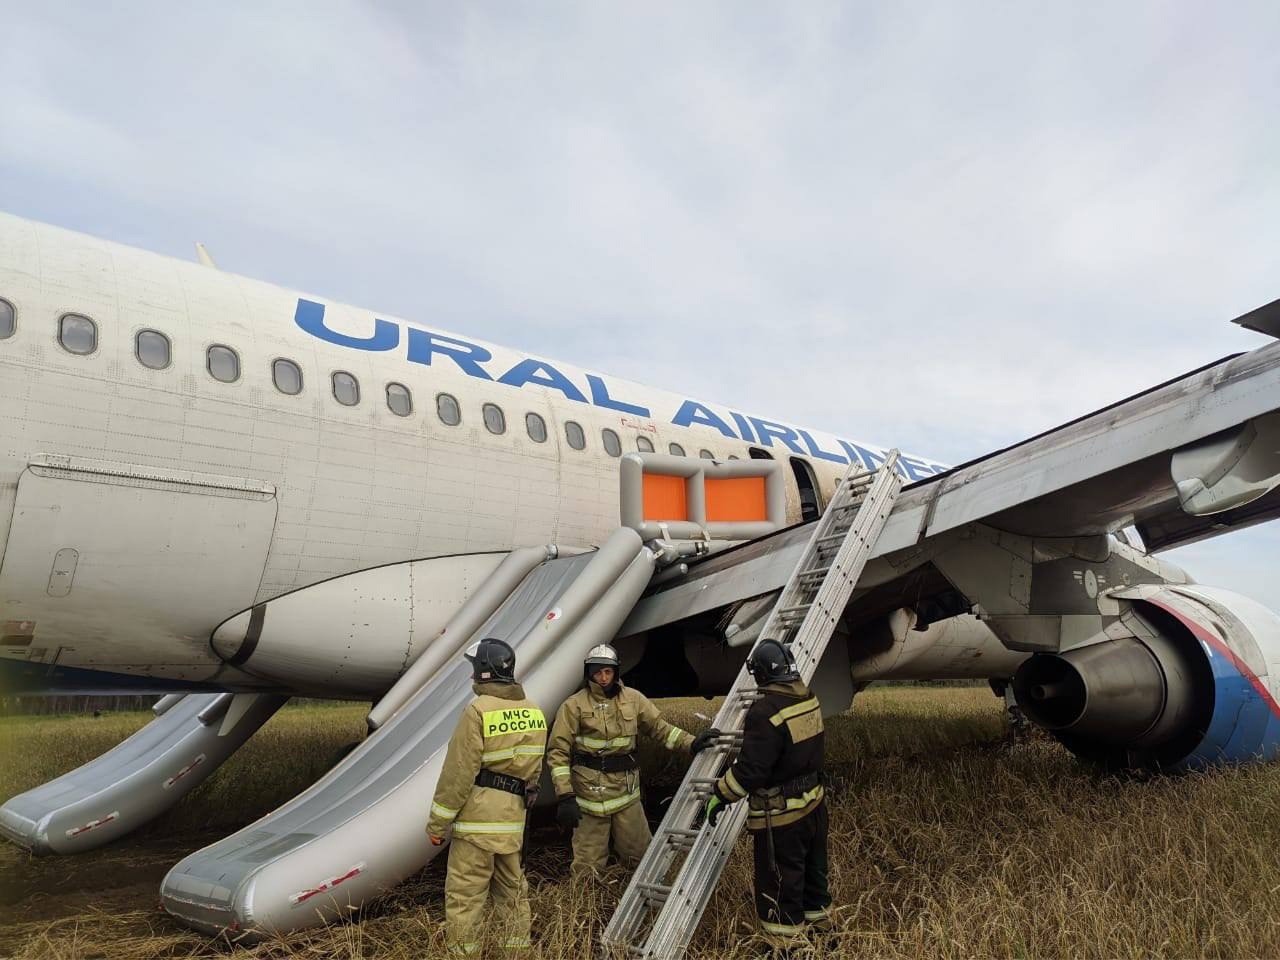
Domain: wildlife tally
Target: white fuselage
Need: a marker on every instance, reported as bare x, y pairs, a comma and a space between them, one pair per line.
141, 507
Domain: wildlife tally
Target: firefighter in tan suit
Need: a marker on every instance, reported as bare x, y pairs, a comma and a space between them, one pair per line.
593, 762
489, 779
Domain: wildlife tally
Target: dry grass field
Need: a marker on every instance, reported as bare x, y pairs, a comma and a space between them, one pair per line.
948, 840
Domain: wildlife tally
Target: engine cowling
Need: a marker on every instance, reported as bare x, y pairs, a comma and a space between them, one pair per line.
1187, 677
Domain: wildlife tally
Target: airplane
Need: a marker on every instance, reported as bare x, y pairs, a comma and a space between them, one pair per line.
228, 493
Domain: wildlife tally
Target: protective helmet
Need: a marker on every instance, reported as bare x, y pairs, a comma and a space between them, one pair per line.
492, 661
772, 662
602, 655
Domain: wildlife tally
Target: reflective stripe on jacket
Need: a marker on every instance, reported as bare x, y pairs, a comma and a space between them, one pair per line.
782, 741
591, 722
502, 731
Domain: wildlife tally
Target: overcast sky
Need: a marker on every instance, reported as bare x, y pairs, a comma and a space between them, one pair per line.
935, 225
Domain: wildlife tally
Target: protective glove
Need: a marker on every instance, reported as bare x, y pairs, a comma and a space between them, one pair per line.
567, 813
530, 796
715, 807
436, 841
703, 740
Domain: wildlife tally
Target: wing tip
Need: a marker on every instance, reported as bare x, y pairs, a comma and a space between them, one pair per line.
1265, 319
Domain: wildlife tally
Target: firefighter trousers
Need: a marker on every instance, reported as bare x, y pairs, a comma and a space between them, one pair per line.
791, 888
628, 828
474, 876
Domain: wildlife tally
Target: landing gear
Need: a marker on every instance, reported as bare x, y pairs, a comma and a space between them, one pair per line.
1019, 725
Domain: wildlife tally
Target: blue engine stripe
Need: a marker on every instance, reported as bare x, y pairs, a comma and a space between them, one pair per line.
1244, 726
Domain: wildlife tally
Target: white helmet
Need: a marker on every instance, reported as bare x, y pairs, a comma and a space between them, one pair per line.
601, 655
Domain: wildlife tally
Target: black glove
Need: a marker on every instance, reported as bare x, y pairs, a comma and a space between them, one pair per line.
567, 813
703, 740
530, 795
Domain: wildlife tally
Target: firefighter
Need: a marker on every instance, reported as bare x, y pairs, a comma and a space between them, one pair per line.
778, 773
593, 762
489, 779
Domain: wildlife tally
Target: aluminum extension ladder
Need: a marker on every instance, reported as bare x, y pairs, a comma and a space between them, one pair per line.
658, 914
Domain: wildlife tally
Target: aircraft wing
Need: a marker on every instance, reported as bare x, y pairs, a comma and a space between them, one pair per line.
1188, 459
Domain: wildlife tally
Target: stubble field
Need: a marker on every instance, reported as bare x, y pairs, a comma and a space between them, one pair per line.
948, 839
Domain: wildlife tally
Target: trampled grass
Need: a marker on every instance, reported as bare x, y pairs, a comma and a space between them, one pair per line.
948, 840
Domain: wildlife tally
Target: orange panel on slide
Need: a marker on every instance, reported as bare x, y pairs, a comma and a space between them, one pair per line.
736, 499
664, 498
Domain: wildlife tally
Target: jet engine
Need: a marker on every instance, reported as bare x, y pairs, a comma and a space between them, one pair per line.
1184, 677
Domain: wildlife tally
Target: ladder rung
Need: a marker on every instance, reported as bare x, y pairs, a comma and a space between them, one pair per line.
656, 892
792, 612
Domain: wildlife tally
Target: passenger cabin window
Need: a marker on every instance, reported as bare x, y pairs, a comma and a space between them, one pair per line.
448, 410
223, 363
152, 349
8, 320
346, 389
706, 455
758, 454
573, 433
495, 421
733, 456
675, 449
536, 426
399, 399
77, 334
644, 444
287, 376
612, 445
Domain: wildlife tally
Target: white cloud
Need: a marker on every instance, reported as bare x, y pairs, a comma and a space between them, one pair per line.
946, 227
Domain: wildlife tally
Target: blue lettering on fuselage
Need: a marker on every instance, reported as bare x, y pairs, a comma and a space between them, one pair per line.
767, 431
600, 397
542, 374
692, 412
818, 452
422, 346
310, 317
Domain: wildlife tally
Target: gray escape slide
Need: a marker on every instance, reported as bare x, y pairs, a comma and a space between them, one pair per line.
360, 829
138, 779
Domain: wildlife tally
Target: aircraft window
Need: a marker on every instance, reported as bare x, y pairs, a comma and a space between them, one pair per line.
758, 454
449, 411
399, 399
151, 347
495, 421
287, 376
77, 334
346, 389
223, 363
573, 433
644, 444
536, 426
706, 455
733, 456
675, 449
7, 323
612, 445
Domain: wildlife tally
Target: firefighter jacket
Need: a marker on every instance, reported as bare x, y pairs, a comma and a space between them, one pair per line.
779, 766
502, 731
593, 724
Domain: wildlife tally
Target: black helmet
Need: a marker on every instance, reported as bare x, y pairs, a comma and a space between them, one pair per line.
772, 662
492, 661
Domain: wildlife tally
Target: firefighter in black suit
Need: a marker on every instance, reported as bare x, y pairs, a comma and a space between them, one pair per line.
778, 773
